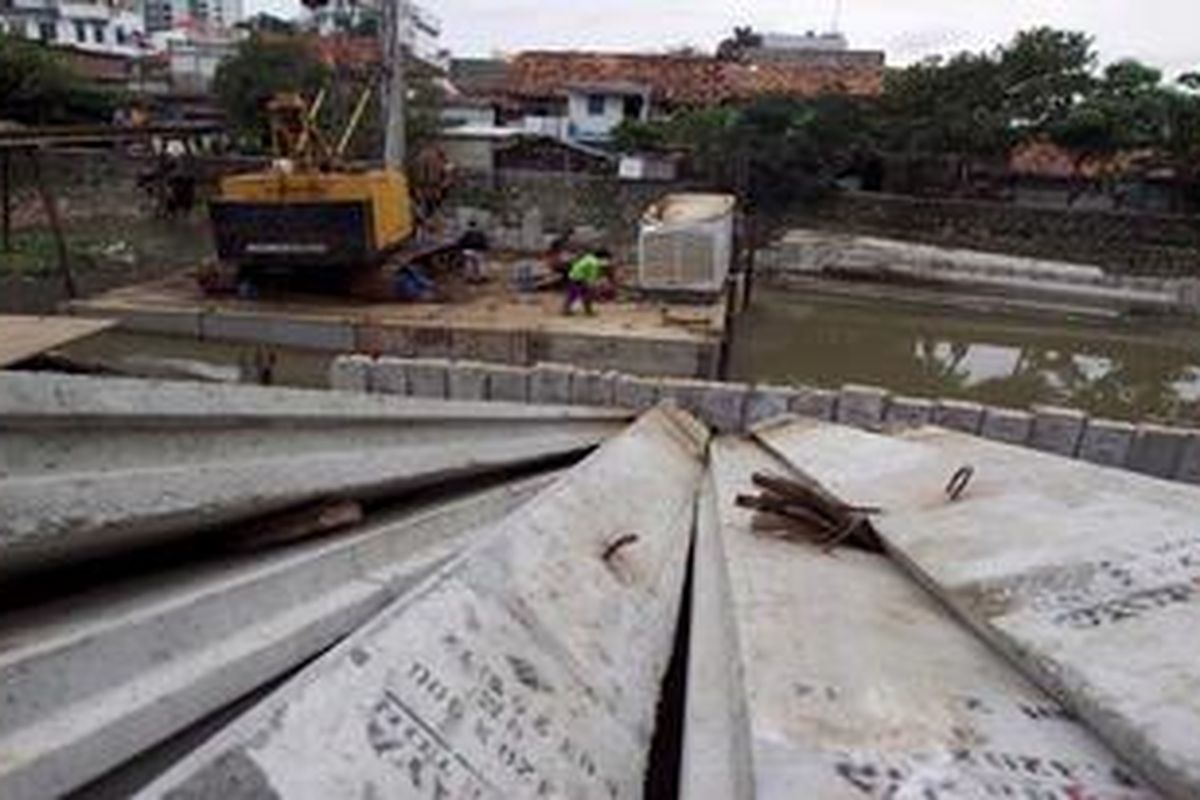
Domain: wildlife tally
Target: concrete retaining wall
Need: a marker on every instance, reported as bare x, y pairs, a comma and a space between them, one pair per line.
810, 255
1171, 453
1120, 242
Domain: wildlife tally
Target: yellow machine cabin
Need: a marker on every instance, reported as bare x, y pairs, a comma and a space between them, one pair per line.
308, 211
336, 219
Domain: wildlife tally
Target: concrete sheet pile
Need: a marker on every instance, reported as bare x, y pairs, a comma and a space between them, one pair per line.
1085, 577
95, 465
95, 679
834, 675
528, 667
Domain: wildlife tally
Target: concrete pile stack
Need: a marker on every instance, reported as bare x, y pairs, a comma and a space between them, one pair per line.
139, 597
1029, 635
1084, 578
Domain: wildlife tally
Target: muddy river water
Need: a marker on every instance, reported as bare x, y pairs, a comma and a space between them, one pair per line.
1123, 370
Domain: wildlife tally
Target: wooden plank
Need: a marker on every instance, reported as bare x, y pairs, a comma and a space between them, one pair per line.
23, 337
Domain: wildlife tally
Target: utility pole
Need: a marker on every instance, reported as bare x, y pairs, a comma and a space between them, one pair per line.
395, 17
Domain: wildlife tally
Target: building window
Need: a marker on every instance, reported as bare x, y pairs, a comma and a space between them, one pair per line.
122, 37
80, 31
47, 31
98, 33
595, 105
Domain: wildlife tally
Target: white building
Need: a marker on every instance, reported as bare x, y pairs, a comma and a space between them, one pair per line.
217, 15
420, 30
101, 26
594, 110
807, 41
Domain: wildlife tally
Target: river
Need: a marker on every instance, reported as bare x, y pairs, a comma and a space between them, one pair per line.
1136, 370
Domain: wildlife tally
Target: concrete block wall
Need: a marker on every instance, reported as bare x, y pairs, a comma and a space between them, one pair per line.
1164, 452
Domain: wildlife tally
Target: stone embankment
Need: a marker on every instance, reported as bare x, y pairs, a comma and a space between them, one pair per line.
1164, 452
802, 257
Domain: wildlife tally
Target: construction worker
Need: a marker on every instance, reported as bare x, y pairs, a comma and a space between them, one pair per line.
474, 244
582, 278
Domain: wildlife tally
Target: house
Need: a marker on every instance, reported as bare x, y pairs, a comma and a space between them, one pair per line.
595, 109
102, 27
481, 150
419, 30
595, 91
474, 93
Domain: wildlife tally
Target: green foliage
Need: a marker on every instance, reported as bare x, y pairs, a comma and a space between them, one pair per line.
262, 67
263, 22
38, 87
1042, 85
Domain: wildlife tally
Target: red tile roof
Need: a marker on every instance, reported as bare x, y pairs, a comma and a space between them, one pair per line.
687, 80
1048, 160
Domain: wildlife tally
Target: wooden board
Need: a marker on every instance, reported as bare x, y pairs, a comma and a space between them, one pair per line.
23, 337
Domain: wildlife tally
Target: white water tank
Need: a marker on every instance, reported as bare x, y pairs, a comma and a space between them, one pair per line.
686, 243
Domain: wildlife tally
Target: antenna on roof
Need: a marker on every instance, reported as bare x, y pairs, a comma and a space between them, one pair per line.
837, 17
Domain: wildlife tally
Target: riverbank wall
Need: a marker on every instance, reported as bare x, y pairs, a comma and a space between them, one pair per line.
1165, 452
806, 258
1162, 245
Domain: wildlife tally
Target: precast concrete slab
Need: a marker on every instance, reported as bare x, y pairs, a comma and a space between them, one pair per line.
428, 378
489, 323
551, 383
1057, 430
1189, 461
1006, 425
93, 680
631, 391
529, 667
95, 465
1084, 576
310, 333
467, 380
958, 415
508, 384
389, 375
723, 406
351, 373
816, 403
766, 402
1157, 450
1107, 442
862, 406
592, 388
833, 675
909, 412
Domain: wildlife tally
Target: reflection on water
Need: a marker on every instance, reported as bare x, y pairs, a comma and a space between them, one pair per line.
1115, 369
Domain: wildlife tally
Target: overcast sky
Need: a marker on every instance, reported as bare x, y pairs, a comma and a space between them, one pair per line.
1165, 33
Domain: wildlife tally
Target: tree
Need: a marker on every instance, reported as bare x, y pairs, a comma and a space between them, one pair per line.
1042, 73
263, 22
38, 87
263, 67
734, 48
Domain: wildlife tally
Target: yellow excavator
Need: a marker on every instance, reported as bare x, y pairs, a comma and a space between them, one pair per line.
310, 222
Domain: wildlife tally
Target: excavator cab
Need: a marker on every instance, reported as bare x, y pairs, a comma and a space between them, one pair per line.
309, 214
